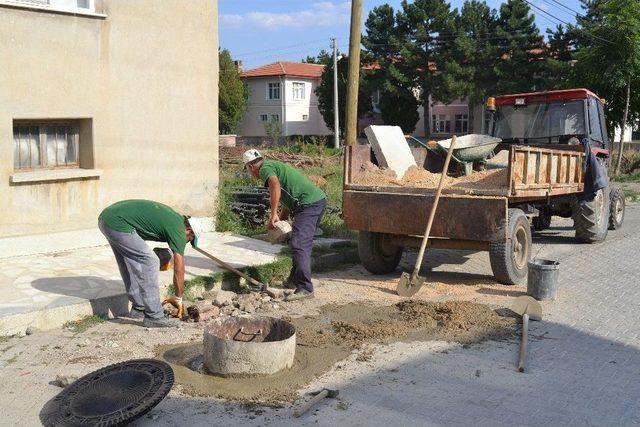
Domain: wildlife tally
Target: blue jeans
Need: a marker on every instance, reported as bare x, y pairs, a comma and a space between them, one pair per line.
306, 219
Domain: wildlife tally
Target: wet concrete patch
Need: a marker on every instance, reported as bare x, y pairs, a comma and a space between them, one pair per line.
324, 339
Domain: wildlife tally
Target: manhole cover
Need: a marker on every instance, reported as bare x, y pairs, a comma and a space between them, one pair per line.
112, 396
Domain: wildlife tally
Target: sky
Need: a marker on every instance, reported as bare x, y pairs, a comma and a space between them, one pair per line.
260, 32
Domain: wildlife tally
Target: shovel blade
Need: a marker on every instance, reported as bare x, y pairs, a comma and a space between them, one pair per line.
408, 286
526, 304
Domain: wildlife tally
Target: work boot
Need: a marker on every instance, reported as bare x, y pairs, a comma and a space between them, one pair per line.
160, 322
298, 295
136, 314
288, 284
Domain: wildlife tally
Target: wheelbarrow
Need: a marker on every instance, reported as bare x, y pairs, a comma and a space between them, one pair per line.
469, 149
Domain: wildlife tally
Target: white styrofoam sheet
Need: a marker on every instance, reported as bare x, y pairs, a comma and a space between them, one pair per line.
390, 148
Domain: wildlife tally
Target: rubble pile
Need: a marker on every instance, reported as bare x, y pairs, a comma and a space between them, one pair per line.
228, 303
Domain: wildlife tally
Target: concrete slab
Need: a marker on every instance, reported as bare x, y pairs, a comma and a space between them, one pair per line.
391, 148
46, 290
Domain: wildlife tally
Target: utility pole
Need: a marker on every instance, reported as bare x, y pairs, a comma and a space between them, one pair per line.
336, 120
354, 73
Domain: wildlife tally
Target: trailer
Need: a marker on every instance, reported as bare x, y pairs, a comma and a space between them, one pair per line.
541, 180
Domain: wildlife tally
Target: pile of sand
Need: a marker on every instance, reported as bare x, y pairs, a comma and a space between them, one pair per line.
371, 175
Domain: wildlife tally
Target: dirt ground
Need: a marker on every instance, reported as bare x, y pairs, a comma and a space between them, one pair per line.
351, 312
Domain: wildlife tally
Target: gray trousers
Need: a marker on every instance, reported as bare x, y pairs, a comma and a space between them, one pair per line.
305, 222
139, 269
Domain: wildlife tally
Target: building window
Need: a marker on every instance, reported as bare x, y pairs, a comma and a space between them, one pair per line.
305, 117
462, 123
53, 144
59, 4
441, 124
263, 117
298, 91
273, 91
275, 117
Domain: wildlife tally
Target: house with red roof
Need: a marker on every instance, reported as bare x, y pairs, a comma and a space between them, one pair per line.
283, 93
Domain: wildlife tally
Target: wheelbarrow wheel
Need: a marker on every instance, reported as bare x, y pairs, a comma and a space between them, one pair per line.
509, 259
376, 254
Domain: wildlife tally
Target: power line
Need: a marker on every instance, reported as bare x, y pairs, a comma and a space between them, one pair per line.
567, 7
566, 23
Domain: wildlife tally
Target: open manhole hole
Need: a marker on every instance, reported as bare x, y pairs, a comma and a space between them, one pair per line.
249, 345
112, 396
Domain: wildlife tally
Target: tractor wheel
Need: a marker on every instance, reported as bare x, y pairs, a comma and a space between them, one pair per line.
591, 218
509, 258
376, 255
617, 207
542, 221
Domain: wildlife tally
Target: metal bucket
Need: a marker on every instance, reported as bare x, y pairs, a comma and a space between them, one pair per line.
542, 281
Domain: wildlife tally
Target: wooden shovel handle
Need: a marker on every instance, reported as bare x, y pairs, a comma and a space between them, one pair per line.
228, 267
310, 403
432, 214
523, 342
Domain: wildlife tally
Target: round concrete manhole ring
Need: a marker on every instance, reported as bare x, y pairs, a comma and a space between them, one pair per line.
112, 396
248, 345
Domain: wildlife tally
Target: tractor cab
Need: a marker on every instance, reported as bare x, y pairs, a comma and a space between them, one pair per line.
554, 117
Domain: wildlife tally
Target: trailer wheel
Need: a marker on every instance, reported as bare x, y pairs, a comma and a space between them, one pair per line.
617, 206
509, 258
542, 221
591, 218
376, 255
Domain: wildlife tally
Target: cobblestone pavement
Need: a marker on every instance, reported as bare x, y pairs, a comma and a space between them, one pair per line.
583, 364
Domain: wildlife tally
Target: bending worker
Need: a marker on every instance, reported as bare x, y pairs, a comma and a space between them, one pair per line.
304, 201
126, 225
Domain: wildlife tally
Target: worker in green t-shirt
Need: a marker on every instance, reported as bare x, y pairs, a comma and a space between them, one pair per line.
126, 225
301, 199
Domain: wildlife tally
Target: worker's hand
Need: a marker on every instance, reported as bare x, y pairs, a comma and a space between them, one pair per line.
177, 303
272, 221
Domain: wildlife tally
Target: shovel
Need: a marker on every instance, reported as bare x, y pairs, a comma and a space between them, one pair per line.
254, 285
528, 308
409, 285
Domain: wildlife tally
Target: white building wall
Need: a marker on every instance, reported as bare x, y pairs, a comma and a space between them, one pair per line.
290, 111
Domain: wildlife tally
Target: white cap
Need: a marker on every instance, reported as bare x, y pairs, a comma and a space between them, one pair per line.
198, 226
251, 155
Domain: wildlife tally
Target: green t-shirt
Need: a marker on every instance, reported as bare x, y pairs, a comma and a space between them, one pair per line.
296, 188
151, 220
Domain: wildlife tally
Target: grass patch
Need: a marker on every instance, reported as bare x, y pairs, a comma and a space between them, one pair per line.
193, 288
631, 195
631, 177
233, 176
84, 323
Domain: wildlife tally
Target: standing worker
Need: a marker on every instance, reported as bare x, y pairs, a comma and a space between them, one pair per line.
126, 225
300, 198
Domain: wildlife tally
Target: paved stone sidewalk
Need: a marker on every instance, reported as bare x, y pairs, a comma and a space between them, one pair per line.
45, 290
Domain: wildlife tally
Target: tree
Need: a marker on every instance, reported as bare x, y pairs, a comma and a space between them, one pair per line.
426, 31
608, 59
559, 55
478, 51
521, 48
323, 58
324, 92
232, 94
400, 108
398, 104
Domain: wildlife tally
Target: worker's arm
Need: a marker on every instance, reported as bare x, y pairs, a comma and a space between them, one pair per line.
274, 197
178, 274
178, 284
